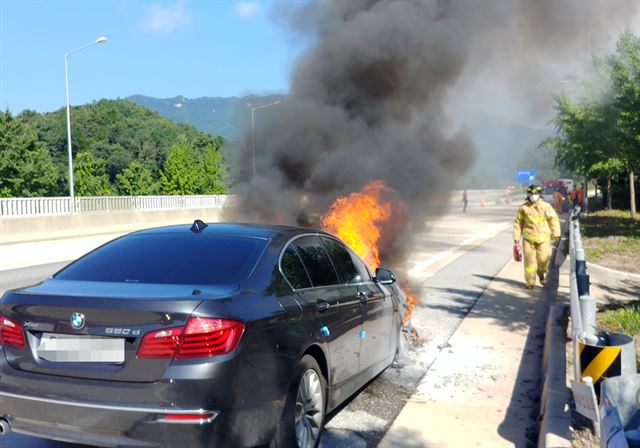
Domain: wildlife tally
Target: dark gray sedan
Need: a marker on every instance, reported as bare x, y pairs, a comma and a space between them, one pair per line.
219, 335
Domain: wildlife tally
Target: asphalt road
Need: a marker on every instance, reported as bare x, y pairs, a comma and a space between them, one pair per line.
462, 256
446, 298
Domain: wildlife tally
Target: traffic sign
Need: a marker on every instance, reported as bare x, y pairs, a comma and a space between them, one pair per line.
525, 176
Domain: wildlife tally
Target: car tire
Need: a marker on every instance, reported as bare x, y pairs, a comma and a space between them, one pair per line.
302, 420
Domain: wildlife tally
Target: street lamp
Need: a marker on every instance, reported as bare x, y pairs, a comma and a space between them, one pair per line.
99, 40
253, 137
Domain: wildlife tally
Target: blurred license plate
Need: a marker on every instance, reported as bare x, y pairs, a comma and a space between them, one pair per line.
71, 348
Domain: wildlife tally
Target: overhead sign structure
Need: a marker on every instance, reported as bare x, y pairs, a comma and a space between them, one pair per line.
525, 176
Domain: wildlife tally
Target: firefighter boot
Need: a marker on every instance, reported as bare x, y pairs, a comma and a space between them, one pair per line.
543, 280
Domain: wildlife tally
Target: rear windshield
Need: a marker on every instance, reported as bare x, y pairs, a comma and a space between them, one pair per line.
164, 258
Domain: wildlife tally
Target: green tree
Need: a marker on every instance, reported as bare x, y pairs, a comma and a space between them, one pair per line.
136, 179
585, 141
215, 171
26, 167
625, 81
116, 131
183, 172
90, 175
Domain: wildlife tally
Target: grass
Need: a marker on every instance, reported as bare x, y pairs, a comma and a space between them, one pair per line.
611, 238
623, 320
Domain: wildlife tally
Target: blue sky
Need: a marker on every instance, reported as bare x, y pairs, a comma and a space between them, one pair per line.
161, 48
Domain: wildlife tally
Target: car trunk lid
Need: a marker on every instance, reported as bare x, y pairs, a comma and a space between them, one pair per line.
116, 317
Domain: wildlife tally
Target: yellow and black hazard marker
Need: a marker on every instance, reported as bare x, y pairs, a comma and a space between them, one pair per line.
599, 363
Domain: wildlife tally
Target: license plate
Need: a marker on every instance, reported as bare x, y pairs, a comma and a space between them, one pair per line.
71, 348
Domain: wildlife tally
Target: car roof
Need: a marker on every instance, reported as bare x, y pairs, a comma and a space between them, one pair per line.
249, 230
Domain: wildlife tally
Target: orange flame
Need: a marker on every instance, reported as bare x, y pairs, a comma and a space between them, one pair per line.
368, 221
412, 301
358, 220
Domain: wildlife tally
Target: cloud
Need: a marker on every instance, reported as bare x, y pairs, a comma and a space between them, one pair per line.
163, 17
246, 8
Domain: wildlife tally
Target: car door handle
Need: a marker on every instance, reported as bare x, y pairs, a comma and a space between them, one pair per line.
322, 305
362, 296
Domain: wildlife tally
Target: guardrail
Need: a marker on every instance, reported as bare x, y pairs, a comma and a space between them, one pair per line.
22, 207
598, 355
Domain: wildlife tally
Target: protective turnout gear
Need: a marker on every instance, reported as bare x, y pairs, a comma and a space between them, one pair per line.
536, 223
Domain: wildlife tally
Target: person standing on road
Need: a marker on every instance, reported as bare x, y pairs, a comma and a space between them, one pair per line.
536, 223
465, 201
577, 196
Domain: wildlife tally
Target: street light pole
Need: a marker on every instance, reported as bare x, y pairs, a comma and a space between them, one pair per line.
253, 136
100, 40
253, 142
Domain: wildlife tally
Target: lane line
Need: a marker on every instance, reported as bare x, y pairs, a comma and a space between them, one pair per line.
492, 231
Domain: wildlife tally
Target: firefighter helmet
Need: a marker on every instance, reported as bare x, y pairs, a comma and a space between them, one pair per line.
533, 189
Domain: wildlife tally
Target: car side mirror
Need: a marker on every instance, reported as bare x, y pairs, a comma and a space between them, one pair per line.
384, 277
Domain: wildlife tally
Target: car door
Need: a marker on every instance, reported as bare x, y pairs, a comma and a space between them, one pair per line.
335, 307
376, 308
378, 320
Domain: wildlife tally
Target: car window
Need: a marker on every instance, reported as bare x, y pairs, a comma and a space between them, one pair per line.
293, 269
363, 272
317, 261
169, 258
342, 261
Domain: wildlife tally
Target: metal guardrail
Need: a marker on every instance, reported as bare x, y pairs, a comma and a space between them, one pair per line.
23, 207
581, 326
605, 355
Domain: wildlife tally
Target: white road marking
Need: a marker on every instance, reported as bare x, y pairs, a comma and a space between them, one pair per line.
478, 237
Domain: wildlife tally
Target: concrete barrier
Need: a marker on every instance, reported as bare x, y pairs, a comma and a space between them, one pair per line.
38, 228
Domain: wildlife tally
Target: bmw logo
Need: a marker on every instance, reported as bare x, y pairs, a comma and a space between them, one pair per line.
77, 321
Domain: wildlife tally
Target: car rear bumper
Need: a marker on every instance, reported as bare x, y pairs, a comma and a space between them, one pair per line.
108, 413
107, 425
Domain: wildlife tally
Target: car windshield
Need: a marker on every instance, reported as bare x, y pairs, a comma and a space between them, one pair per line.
169, 258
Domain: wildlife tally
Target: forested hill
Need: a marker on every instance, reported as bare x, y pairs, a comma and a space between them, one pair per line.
119, 148
225, 116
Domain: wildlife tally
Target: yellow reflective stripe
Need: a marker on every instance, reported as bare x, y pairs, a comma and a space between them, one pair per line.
530, 269
537, 238
601, 363
537, 218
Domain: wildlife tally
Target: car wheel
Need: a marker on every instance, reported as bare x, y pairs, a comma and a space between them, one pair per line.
303, 417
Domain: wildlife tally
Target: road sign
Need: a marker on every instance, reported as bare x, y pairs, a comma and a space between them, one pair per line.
525, 176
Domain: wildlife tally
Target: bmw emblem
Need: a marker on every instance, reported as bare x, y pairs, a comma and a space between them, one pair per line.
77, 321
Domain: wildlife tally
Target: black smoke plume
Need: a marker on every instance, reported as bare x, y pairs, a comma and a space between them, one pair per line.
368, 97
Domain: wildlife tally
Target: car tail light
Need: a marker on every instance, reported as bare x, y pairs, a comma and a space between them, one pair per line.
188, 418
200, 338
160, 344
205, 337
11, 333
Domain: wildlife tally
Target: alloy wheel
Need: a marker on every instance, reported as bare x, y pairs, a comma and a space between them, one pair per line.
309, 410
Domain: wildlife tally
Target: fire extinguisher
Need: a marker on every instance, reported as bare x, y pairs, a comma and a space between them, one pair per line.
517, 252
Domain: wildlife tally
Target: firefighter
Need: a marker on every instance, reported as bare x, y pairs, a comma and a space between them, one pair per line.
536, 223
558, 199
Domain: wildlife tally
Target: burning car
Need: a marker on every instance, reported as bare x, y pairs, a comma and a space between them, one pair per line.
214, 335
